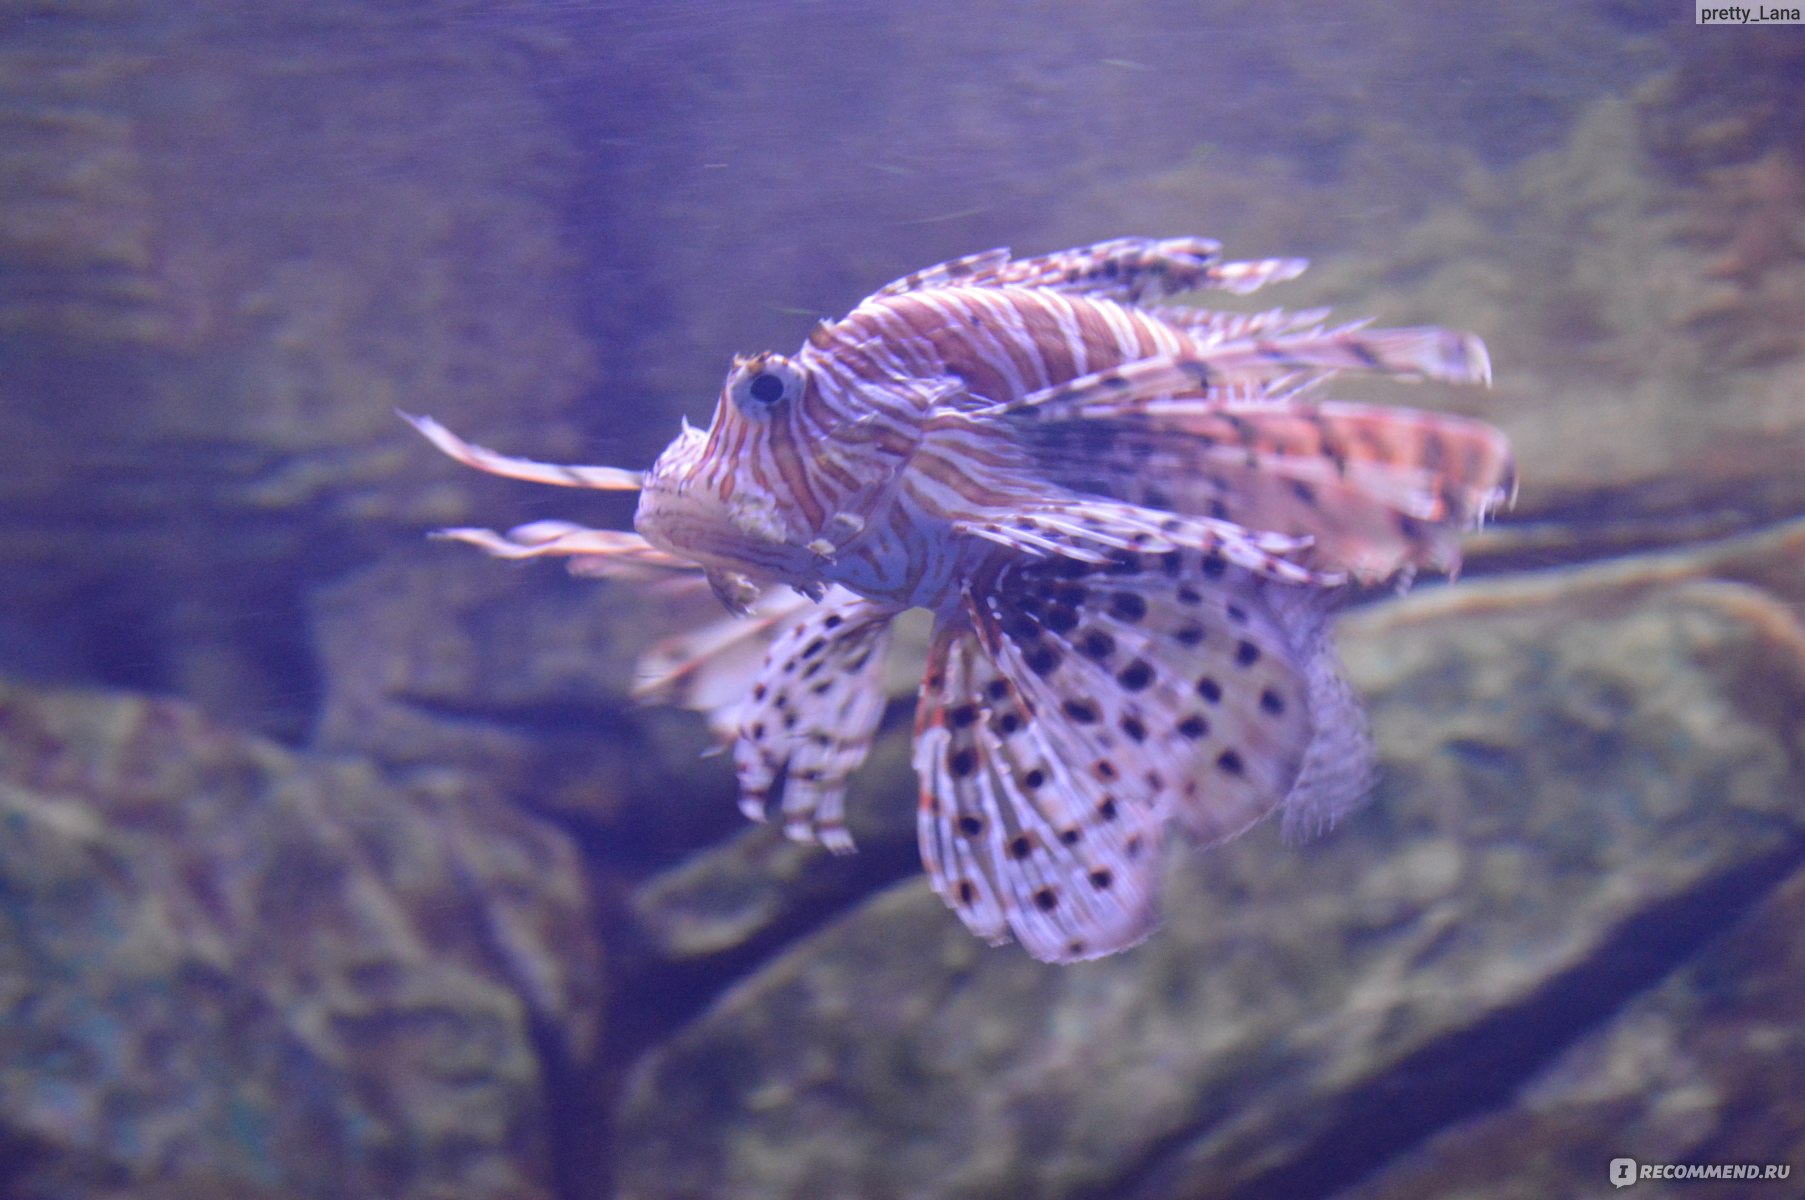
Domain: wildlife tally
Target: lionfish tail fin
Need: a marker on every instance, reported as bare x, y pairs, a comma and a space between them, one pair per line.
1340, 765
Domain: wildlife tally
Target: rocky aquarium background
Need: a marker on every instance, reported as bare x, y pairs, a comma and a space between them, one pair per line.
334, 863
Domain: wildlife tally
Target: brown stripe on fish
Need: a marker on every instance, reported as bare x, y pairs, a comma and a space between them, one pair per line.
1006, 331
1049, 338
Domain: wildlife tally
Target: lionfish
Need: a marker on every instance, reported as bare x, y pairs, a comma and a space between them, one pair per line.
1131, 522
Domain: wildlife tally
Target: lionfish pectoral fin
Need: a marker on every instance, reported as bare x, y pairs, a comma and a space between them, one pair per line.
1034, 537
1080, 708
607, 479
811, 714
711, 669
1019, 833
1200, 680
1095, 530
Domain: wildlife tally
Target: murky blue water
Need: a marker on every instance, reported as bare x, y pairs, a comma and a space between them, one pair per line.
340, 862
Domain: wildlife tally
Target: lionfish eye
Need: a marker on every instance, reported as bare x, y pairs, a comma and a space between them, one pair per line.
766, 388
760, 384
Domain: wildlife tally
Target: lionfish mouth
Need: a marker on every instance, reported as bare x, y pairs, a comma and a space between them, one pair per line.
709, 541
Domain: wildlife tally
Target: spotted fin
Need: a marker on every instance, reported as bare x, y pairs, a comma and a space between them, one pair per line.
811, 715
1209, 664
1377, 490
964, 271
1084, 706
711, 668
1134, 270
1340, 764
1018, 835
1124, 269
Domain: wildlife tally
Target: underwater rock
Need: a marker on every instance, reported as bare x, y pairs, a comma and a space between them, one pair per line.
521, 677
758, 887
1586, 773
264, 976
1708, 1067
1647, 413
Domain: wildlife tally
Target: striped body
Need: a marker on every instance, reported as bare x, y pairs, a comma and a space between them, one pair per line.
1131, 522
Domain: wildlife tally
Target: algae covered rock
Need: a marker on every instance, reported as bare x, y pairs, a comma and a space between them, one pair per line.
233, 968
521, 677
1706, 1068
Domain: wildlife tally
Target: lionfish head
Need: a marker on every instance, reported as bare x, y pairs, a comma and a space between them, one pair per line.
720, 496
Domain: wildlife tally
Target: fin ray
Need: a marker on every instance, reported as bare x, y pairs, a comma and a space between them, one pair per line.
1079, 709
1015, 836
1127, 270
606, 479
811, 716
